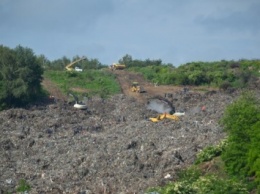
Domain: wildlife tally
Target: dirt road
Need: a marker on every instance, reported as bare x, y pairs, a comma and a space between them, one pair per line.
53, 89
125, 79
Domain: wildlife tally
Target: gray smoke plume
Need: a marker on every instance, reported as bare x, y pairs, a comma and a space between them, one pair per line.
160, 106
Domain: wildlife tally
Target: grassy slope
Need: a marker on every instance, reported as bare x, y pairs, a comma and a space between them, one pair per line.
92, 82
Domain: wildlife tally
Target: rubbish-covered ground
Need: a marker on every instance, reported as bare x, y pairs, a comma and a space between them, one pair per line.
112, 147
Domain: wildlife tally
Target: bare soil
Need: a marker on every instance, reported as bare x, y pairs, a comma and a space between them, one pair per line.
112, 147
53, 89
125, 78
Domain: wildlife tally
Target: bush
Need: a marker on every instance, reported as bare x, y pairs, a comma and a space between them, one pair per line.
242, 123
225, 85
23, 186
192, 182
20, 77
210, 152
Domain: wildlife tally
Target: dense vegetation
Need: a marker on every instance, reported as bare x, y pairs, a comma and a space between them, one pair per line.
223, 74
242, 123
235, 161
20, 77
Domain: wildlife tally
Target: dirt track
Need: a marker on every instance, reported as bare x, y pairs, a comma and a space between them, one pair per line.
53, 89
125, 78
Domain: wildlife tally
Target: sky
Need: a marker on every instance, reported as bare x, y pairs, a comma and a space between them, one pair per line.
175, 31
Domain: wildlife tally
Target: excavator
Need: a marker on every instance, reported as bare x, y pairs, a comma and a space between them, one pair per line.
164, 116
137, 88
78, 105
174, 116
69, 66
164, 107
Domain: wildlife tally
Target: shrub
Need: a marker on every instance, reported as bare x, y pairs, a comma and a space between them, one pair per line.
242, 123
210, 152
192, 182
225, 85
23, 186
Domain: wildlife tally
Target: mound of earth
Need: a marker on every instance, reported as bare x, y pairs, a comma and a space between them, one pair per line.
112, 147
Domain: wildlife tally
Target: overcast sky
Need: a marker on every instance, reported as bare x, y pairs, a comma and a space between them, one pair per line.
175, 31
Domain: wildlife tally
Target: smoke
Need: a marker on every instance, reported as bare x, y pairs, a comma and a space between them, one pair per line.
159, 106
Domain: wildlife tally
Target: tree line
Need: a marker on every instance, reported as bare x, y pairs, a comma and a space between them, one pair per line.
223, 74
60, 64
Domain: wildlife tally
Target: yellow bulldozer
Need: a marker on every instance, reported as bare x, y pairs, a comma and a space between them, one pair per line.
117, 66
137, 88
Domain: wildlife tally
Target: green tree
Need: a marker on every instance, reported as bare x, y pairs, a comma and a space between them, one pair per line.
60, 64
44, 62
91, 64
196, 77
127, 59
20, 76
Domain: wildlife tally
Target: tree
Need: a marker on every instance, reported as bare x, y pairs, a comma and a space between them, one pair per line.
60, 64
20, 77
127, 59
44, 62
91, 64
196, 77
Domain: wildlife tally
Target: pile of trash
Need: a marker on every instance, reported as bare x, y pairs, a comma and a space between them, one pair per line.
111, 147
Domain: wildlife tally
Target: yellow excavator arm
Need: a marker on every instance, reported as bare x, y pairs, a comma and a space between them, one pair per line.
69, 66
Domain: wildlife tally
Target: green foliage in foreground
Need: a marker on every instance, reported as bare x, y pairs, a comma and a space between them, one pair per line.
94, 82
211, 152
192, 181
242, 123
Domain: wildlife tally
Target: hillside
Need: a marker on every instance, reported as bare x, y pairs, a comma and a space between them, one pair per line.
112, 147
